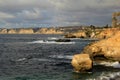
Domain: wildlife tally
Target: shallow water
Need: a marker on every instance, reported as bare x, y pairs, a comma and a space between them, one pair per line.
39, 57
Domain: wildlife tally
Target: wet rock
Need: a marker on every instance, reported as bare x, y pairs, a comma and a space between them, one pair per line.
81, 62
63, 40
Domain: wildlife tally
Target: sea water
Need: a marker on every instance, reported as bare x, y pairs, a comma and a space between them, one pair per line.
39, 57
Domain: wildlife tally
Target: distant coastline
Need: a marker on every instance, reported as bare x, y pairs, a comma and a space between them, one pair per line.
67, 32
47, 30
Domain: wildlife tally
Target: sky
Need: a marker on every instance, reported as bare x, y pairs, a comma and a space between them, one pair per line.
45, 13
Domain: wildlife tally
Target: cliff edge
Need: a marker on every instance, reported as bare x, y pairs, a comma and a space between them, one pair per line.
106, 50
31, 31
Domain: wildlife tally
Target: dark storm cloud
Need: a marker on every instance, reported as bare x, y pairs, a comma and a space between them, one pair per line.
57, 12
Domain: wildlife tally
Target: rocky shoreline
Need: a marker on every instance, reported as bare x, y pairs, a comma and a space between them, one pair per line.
101, 33
105, 50
67, 32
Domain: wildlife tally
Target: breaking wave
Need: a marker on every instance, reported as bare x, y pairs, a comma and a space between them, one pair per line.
112, 64
52, 38
50, 42
61, 56
109, 76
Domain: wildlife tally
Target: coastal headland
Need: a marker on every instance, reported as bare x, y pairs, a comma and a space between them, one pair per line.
106, 49
68, 32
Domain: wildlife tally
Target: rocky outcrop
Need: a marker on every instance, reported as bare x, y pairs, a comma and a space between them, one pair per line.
81, 62
42, 30
3, 31
107, 50
79, 34
106, 33
12, 31
49, 31
31, 31
101, 33
26, 31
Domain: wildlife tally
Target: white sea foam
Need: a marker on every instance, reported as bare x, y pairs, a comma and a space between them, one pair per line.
113, 64
109, 76
52, 38
61, 56
41, 59
38, 59
50, 42
21, 59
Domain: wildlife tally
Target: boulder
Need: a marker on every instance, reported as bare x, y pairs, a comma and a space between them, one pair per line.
81, 62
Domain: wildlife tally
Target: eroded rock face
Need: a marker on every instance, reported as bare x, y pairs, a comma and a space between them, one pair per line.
106, 33
103, 50
81, 62
79, 34
12, 31
3, 31
26, 31
49, 31
107, 49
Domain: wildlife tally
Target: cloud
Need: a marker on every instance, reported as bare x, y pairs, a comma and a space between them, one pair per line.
33, 14
74, 5
6, 15
58, 12
86, 12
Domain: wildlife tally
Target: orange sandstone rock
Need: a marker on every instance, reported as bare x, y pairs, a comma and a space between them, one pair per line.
25, 31
109, 49
49, 31
3, 31
81, 62
79, 34
12, 31
106, 33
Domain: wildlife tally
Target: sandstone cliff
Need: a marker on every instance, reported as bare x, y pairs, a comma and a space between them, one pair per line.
26, 31
106, 33
49, 31
78, 34
32, 31
107, 50
12, 31
3, 31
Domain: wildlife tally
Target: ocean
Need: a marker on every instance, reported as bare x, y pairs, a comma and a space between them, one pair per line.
39, 57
